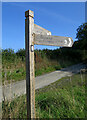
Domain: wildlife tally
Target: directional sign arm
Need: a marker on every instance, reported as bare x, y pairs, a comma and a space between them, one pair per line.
39, 30
53, 40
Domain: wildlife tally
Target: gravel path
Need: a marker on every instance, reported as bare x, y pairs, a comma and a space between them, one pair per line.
16, 89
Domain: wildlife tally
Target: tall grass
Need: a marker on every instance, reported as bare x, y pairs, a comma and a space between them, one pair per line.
63, 99
13, 64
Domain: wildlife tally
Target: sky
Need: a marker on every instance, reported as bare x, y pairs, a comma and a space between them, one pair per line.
61, 18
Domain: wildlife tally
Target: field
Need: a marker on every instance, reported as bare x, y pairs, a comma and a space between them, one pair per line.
63, 99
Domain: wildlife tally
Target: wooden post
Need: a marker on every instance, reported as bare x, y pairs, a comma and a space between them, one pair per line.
30, 78
35, 34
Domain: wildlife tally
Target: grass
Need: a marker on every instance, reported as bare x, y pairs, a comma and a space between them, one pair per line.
16, 71
13, 76
13, 63
62, 99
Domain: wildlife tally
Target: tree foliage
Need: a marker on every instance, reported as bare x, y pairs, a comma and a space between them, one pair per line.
77, 53
21, 53
82, 37
8, 55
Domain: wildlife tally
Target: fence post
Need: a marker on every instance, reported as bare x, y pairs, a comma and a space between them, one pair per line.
30, 77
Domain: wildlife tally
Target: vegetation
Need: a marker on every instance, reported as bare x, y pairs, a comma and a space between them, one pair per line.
45, 60
14, 68
81, 44
82, 37
63, 99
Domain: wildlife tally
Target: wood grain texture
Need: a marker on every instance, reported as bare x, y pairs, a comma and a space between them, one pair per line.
30, 77
35, 34
53, 40
29, 13
39, 30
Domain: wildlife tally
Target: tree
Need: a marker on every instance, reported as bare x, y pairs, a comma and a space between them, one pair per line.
8, 55
82, 37
81, 44
21, 53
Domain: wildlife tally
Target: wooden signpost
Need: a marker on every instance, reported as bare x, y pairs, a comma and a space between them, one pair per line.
35, 34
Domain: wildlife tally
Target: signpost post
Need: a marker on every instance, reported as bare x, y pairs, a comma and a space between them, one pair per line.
35, 34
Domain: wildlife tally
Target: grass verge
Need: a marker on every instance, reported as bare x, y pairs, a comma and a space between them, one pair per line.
63, 99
